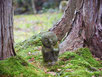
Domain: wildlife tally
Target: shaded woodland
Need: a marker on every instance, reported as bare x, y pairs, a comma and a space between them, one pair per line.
27, 6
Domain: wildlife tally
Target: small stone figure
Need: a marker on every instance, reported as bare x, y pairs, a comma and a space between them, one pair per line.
50, 48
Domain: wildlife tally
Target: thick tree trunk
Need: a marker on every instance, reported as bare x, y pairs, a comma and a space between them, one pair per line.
63, 26
92, 18
85, 27
6, 29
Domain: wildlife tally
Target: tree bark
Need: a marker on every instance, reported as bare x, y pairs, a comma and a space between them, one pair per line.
63, 26
85, 27
6, 29
33, 7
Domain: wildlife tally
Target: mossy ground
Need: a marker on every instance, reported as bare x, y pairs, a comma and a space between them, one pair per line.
79, 63
17, 67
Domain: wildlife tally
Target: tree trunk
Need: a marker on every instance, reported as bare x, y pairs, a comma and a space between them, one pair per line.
63, 26
33, 7
6, 29
85, 26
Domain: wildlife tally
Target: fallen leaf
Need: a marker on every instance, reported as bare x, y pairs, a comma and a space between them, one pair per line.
98, 59
52, 73
100, 69
31, 60
58, 69
62, 66
68, 70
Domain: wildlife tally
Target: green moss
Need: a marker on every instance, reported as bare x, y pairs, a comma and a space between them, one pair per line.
79, 63
29, 43
18, 67
86, 54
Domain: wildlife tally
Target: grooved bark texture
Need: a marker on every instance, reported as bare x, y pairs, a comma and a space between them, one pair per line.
6, 29
92, 17
64, 25
85, 27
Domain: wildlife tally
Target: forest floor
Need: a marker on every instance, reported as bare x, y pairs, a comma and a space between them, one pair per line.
29, 60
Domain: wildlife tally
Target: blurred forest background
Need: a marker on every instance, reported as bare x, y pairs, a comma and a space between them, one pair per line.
41, 6
34, 16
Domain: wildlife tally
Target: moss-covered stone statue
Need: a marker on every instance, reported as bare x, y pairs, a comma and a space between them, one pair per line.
50, 48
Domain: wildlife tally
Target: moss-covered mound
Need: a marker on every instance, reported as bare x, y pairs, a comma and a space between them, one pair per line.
32, 42
79, 63
18, 67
